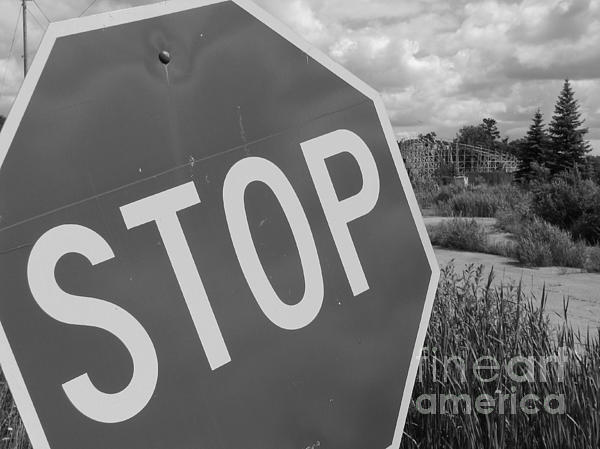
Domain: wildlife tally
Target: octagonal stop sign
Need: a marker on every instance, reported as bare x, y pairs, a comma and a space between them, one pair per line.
208, 240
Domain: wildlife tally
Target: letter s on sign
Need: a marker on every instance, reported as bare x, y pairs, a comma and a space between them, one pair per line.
82, 311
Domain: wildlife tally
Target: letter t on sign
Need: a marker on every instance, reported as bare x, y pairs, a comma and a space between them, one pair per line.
340, 213
162, 208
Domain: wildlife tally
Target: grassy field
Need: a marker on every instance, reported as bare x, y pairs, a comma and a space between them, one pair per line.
12, 431
554, 224
540, 225
535, 244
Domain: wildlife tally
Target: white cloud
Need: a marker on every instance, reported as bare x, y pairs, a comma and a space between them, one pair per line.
439, 64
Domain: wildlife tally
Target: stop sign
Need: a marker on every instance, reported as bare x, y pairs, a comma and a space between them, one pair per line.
208, 240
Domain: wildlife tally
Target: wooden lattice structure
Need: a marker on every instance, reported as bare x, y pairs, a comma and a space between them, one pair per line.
425, 158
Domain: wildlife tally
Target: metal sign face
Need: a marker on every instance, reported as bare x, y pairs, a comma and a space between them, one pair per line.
208, 239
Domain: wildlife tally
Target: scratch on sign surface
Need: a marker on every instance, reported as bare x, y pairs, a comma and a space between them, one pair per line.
242, 130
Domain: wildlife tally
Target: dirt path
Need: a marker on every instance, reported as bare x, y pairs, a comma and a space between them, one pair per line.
494, 235
582, 289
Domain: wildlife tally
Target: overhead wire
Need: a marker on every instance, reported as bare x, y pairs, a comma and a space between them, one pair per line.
41, 11
88, 7
12, 46
33, 16
14, 36
42, 27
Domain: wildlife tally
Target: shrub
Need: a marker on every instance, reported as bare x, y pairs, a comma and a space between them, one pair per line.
492, 178
537, 243
533, 252
512, 219
478, 201
593, 260
425, 190
587, 226
541, 244
459, 234
503, 248
448, 191
571, 203
471, 204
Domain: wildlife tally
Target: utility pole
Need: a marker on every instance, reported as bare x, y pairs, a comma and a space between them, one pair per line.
24, 6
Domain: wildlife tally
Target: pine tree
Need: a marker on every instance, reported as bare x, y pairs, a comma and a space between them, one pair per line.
533, 151
568, 146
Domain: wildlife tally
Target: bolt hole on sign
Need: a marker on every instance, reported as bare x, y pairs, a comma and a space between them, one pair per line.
208, 240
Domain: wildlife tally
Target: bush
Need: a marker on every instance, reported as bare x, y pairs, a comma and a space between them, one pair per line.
460, 234
593, 260
448, 191
572, 204
587, 227
492, 178
425, 190
512, 219
471, 204
478, 201
537, 243
541, 244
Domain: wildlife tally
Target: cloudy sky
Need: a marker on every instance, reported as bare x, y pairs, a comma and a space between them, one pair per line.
439, 64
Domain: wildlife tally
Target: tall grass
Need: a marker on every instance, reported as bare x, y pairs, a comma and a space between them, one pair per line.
593, 260
472, 318
461, 234
541, 244
426, 190
12, 430
478, 201
536, 243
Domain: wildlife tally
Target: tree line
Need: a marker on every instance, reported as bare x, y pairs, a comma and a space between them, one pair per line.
561, 146
546, 150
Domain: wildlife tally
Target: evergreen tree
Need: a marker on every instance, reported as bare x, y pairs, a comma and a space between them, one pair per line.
533, 151
593, 163
568, 146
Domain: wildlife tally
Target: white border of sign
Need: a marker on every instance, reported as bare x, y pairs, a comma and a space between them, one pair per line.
89, 23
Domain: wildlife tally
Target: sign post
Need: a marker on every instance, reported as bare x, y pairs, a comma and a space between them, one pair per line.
207, 239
